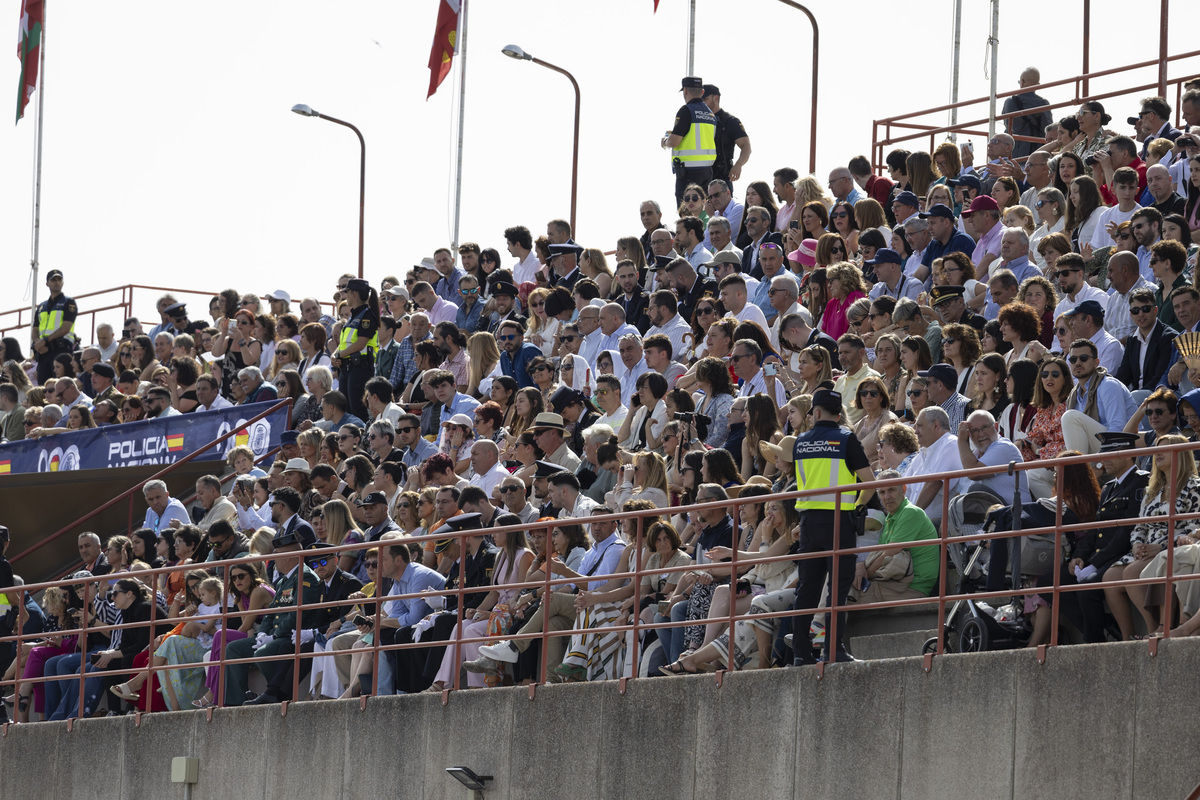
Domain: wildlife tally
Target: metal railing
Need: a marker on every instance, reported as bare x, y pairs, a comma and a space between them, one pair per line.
547, 584
909, 127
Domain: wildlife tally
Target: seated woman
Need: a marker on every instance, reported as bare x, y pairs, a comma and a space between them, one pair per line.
31, 662
494, 616
1148, 539
1080, 501
645, 479
766, 588
1043, 437
873, 400
249, 592
1159, 409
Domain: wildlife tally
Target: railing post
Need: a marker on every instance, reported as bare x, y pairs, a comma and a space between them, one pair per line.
831, 629
1168, 588
638, 546
1058, 548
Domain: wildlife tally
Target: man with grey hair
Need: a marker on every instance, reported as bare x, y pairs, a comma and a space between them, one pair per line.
1014, 254
164, 320
631, 367
899, 572
841, 183
981, 445
718, 237
938, 453
216, 507
650, 213
783, 297
381, 439
163, 509
721, 204
486, 471
1002, 290
106, 341
999, 149
404, 368
919, 234
613, 326
515, 497
595, 480
257, 390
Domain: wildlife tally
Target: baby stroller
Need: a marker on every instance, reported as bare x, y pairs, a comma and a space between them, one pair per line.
973, 626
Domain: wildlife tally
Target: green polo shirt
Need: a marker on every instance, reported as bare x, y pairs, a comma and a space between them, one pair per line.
910, 524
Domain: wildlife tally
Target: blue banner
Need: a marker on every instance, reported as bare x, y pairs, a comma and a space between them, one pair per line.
153, 441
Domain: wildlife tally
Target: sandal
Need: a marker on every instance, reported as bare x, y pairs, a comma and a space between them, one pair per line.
203, 702
676, 668
122, 691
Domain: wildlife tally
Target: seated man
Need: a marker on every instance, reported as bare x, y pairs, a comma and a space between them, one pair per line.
938, 454
981, 445
408, 577
1143, 370
1097, 403
297, 583
900, 572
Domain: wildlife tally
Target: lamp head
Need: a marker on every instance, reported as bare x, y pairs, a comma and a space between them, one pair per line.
304, 110
512, 51
468, 778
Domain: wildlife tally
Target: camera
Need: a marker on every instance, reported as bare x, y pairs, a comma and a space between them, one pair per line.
1093, 158
1186, 141
691, 417
771, 369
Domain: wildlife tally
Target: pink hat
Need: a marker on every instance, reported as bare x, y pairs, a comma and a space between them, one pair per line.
806, 254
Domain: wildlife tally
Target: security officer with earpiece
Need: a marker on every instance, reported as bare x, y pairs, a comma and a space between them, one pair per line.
826, 456
358, 343
693, 139
55, 324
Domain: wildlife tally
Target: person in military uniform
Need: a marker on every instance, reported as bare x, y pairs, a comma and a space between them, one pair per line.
1120, 499
826, 456
55, 326
177, 313
950, 305
693, 139
359, 341
730, 133
295, 581
416, 668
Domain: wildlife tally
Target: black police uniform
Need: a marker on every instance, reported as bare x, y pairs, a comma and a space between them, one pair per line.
359, 368
729, 130
63, 344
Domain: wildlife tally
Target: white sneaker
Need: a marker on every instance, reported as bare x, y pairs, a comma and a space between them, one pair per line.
501, 651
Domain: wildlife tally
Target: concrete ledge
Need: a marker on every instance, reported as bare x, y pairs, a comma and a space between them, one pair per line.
1093, 721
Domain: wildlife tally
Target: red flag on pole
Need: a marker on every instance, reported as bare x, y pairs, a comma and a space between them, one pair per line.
444, 44
27, 50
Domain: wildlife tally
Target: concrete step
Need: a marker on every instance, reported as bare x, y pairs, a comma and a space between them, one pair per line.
890, 645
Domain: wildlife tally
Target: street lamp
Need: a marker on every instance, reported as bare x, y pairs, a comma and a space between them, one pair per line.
816, 50
512, 51
307, 111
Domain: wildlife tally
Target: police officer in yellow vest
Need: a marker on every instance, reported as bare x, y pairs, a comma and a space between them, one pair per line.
827, 456
693, 139
358, 343
55, 322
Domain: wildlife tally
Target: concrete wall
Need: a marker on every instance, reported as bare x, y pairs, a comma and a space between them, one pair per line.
1099, 721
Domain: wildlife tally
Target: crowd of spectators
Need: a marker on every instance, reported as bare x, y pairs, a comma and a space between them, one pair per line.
966, 315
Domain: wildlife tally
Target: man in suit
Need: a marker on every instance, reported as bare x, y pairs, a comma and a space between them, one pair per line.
1120, 499
633, 297
1153, 336
564, 260
504, 296
688, 285
416, 668
758, 227
296, 582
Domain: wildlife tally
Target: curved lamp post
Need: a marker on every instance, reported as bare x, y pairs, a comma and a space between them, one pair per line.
512, 51
306, 111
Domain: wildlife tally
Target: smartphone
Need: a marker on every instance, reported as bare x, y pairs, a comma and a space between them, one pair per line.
770, 369
794, 224
365, 622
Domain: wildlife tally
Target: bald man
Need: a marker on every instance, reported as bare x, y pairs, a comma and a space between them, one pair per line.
842, 184
1033, 124
1162, 191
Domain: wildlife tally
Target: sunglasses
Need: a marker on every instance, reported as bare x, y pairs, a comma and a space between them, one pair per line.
1156, 412
692, 198
707, 310
567, 338
371, 564
949, 340
510, 489
318, 562
1084, 358
508, 337
838, 215
868, 393
543, 367
1051, 374
1062, 331
406, 429
237, 576
1138, 310
915, 392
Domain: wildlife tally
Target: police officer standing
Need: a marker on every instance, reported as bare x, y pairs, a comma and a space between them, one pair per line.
55, 324
357, 345
826, 456
693, 139
730, 133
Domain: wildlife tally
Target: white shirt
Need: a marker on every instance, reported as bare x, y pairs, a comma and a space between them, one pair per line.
615, 419
1041, 233
525, 270
941, 456
219, 403
1086, 292
758, 385
1110, 349
795, 308
1101, 236
391, 412
628, 378
583, 508
1117, 319
680, 334
751, 313
1145, 345
489, 480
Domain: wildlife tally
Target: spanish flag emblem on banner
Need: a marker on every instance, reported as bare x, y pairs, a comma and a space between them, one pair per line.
5, 467
175, 442
242, 438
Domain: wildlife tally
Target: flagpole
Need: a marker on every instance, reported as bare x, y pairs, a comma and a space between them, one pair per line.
460, 47
691, 52
37, 181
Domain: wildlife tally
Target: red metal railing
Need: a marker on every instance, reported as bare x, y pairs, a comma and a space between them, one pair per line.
376, 649
909, 128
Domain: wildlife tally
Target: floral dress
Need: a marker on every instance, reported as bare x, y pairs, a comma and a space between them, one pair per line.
1156, 532
1047, 426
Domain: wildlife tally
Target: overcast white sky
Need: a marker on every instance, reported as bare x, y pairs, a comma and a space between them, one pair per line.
171, 156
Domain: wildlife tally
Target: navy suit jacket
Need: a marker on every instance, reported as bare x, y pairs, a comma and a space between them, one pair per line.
1158, 358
